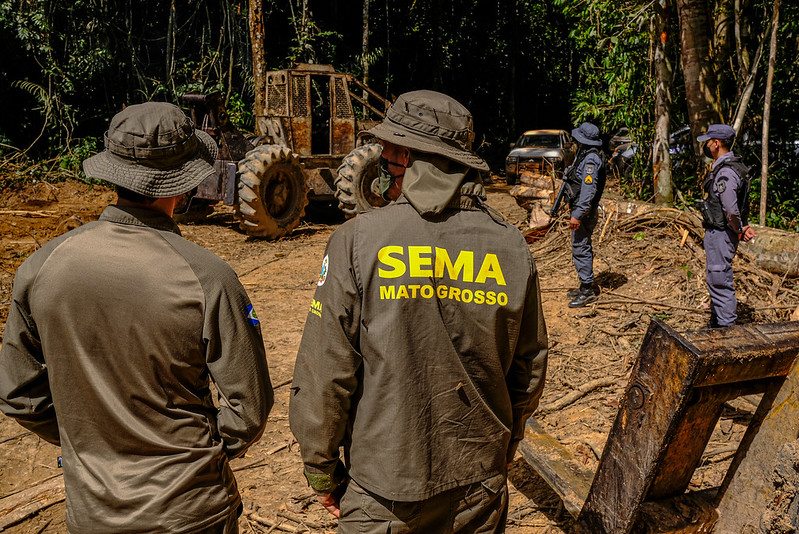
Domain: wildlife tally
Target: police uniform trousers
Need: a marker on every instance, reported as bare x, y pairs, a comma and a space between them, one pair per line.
582, 250
481, 507
720, 247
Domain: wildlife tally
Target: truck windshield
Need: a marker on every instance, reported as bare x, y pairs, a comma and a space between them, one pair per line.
539, 140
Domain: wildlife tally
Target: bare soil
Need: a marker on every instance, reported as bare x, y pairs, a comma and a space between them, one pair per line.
642, 269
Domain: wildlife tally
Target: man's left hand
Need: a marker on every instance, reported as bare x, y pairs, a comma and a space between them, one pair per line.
747, 234
574, 224
331, 503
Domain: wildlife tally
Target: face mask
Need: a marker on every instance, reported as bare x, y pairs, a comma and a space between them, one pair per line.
706, 150
184, 202
385, 179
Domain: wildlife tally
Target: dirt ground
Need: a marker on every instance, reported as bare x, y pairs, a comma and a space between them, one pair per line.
643, 271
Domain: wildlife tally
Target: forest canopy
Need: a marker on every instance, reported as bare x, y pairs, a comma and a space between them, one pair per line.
68, 66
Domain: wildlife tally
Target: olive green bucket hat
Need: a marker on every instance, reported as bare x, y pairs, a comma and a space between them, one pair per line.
154, 150
433, 123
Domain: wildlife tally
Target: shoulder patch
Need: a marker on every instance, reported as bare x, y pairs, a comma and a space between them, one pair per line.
721, 186
589, 180
323, 273
251, 316
590, 168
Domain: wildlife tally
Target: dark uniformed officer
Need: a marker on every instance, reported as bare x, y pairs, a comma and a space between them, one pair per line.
725, 211
425, 347
586, 181
115, 333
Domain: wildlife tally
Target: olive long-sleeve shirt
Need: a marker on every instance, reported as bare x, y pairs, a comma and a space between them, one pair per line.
424, 352
115, 332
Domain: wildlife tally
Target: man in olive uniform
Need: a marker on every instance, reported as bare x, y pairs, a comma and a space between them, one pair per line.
425, 348
726, 212
116, 331
586, 181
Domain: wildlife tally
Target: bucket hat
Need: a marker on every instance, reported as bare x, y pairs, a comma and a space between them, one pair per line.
587, 134
433, 123
154, 150
718, 131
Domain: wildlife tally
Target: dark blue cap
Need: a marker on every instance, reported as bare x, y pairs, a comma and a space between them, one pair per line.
718, 131
587, 134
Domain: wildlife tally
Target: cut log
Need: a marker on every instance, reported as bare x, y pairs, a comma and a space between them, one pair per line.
557, 466
776, 251
18, 506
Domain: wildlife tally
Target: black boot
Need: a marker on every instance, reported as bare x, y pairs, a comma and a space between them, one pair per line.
585, 295
574, 292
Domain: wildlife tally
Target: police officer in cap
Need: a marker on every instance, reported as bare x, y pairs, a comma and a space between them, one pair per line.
586, 181
725, 210
425, 348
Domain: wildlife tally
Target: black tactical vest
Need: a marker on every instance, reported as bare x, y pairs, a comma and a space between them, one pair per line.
711, 207
574, 184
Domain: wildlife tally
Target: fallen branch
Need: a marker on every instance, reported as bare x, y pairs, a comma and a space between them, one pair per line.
577, 394
17, 506
306, 522
284, 383
271, 524
28, 213
613, 211
20, 435
644, 301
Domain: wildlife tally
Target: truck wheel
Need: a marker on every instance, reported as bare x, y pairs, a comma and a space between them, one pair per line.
272, 191
354, 179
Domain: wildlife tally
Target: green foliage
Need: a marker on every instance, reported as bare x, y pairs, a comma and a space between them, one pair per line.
240, 113
69, 65
615, 87
313, 45
71, 160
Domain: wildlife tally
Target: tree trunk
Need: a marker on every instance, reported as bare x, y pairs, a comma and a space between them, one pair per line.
748, 88
258, 44
170, 47
741, 51
365, 42
767, 111
661, 162
723, 51
700, 79
365, 47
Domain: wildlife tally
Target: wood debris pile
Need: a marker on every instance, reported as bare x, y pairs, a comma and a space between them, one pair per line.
653, 263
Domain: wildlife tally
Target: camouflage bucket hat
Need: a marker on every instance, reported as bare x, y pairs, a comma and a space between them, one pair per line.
154, 150
433, 123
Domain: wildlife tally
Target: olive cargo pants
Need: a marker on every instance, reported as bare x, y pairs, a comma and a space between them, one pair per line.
481, 507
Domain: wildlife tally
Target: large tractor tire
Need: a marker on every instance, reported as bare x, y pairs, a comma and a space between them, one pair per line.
354, 179
272, 191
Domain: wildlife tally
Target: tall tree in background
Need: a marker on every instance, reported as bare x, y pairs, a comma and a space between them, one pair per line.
365, 44
767, 112
661, 162
701, 91
258, 44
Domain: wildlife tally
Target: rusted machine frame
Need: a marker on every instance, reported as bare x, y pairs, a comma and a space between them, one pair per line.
290, 122
209, 115
672, 403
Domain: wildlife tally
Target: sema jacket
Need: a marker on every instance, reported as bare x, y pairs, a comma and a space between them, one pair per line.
423, 354
115, 333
